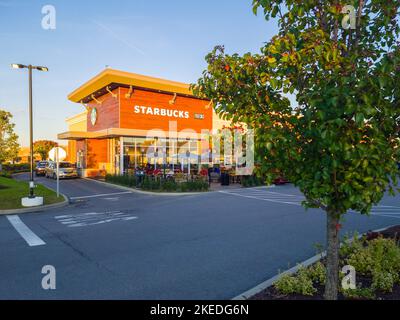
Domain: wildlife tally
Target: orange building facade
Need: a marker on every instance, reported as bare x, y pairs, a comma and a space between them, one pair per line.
132, 120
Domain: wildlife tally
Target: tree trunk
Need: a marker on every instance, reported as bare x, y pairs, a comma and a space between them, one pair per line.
332, 256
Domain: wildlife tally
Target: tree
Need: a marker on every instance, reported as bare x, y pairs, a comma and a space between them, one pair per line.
9, 145
338, 140
42, 147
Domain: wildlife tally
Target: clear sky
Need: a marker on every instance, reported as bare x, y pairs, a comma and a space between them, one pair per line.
161, 38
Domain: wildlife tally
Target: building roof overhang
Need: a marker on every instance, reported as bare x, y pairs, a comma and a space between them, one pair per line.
114, 78
76, 135
120, 132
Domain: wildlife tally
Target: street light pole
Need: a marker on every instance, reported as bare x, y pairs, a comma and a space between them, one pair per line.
30, 68
31, 182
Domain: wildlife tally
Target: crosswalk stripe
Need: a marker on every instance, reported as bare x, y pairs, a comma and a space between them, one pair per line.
26, 233
94, 218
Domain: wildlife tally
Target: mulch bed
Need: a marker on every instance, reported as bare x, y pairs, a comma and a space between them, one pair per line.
272, 294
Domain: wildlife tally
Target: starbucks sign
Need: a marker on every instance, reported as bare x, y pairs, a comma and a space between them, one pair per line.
93, 116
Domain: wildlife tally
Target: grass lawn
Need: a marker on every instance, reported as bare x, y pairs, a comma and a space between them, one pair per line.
11, 192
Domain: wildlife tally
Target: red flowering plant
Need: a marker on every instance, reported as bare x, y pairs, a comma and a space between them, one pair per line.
204, 172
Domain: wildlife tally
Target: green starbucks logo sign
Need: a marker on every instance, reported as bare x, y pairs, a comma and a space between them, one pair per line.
93, 116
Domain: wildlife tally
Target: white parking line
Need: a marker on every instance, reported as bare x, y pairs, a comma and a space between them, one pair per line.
292, 199
257, 197
386, 215
26, 233
111, 199
100, 195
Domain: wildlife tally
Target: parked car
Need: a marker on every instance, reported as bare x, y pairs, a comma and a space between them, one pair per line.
280, 181
66, 170
40, 169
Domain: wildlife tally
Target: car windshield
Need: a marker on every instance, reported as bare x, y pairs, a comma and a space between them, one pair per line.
41, 164
66, 165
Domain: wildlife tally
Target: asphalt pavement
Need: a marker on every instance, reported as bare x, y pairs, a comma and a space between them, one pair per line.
110, 243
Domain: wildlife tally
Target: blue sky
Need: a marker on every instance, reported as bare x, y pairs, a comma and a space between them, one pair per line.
160, 38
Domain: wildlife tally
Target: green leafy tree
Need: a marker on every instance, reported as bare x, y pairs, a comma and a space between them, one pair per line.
42, 147
337, 138
9, 145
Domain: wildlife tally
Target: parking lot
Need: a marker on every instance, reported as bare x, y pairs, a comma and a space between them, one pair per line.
110, 243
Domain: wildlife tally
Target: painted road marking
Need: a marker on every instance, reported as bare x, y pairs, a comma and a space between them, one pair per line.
26, 233
284, 198
386, 211
93, 218
265, 195
100, 195
386, 215
111, 199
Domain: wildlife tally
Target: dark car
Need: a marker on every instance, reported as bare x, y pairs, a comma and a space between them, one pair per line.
40, 169
280, 181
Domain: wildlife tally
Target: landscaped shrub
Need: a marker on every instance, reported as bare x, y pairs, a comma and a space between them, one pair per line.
5, 174
303, 281
151, 183
123, 180
15, 168
251, 181
183, 187
359, 293
300, 283
169, 186
195, 185
377, 259
380, 259
350, 246
317, 273
383, 281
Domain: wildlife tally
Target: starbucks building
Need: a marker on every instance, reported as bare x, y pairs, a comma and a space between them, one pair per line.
130, 121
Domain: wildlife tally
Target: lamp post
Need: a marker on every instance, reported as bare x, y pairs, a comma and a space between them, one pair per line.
30, 68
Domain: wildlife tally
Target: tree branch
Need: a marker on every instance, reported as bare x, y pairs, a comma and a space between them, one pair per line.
361, 4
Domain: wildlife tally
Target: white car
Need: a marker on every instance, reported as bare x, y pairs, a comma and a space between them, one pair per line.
66, 170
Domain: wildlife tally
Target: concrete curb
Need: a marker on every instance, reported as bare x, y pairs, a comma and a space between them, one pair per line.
37, 209
171, 194
264, 285
19, 173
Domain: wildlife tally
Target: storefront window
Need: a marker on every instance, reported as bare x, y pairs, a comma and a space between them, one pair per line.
159, 153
